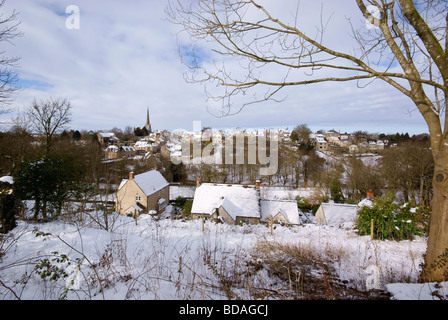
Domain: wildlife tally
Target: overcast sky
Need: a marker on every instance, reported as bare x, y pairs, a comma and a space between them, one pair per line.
124, 58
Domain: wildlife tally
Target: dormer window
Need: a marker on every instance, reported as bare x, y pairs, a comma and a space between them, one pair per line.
137, 198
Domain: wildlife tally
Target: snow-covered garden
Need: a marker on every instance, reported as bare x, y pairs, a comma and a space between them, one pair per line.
75, 259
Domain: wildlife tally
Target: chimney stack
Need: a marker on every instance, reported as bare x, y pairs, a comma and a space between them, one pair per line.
257, 184
131, 175
198, 182
370, 194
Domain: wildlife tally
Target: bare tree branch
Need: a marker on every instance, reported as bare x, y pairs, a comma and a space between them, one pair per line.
49, 117
308, 54
8, 31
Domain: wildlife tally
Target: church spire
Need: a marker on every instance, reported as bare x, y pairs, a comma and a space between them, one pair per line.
148, 124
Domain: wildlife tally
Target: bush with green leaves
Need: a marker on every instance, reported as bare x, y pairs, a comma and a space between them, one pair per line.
392, 220
50, 180
186, 210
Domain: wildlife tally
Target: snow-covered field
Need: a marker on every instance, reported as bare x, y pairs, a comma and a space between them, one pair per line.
178, 260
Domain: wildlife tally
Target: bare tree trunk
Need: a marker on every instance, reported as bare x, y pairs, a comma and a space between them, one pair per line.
36, 209
420, 191
44, 209
436, 269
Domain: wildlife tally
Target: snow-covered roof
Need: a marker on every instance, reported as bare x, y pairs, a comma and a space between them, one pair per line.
142, 144
174, 147
236, 209
137, 207
181, 191
337, 214
150, 182
128, 148
112, 148
288, 209
237, 200
106, 134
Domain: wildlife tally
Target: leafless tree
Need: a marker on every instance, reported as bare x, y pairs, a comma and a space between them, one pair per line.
8, 76
49, 118
362, 178
408, 168
406, 47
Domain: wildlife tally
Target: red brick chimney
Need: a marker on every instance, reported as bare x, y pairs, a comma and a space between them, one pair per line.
370, 194
198, 182
257, 184
131, 175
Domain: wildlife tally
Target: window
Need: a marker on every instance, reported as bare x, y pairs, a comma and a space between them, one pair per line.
137, 198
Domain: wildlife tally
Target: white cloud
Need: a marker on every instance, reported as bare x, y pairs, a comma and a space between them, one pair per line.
124, 58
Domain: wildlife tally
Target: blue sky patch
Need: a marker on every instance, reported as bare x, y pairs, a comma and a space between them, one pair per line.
33, 84
192, 55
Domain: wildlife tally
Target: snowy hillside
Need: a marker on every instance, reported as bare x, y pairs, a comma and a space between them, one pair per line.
175, 259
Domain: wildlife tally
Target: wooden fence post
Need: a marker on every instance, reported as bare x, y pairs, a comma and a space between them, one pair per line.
371, 229
180, 265
202, 222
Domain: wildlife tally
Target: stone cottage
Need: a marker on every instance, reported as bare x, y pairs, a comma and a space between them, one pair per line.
240, 204
148, 192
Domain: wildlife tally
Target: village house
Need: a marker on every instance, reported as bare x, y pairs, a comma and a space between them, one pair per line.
372, 145
172, 150
345, 141
233, 203
353, 148
334, 141
320, 143
107, 138
240, 204
147, 192
331, 133
380, 144
336, 214
113, 152
127, 152
281, 211
146, 145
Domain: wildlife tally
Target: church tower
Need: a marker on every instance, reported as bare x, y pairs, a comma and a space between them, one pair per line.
148, 124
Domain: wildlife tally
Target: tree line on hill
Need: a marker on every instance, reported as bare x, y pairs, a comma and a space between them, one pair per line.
405, 169
61, 164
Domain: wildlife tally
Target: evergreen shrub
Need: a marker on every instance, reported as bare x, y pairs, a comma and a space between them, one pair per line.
392, 220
